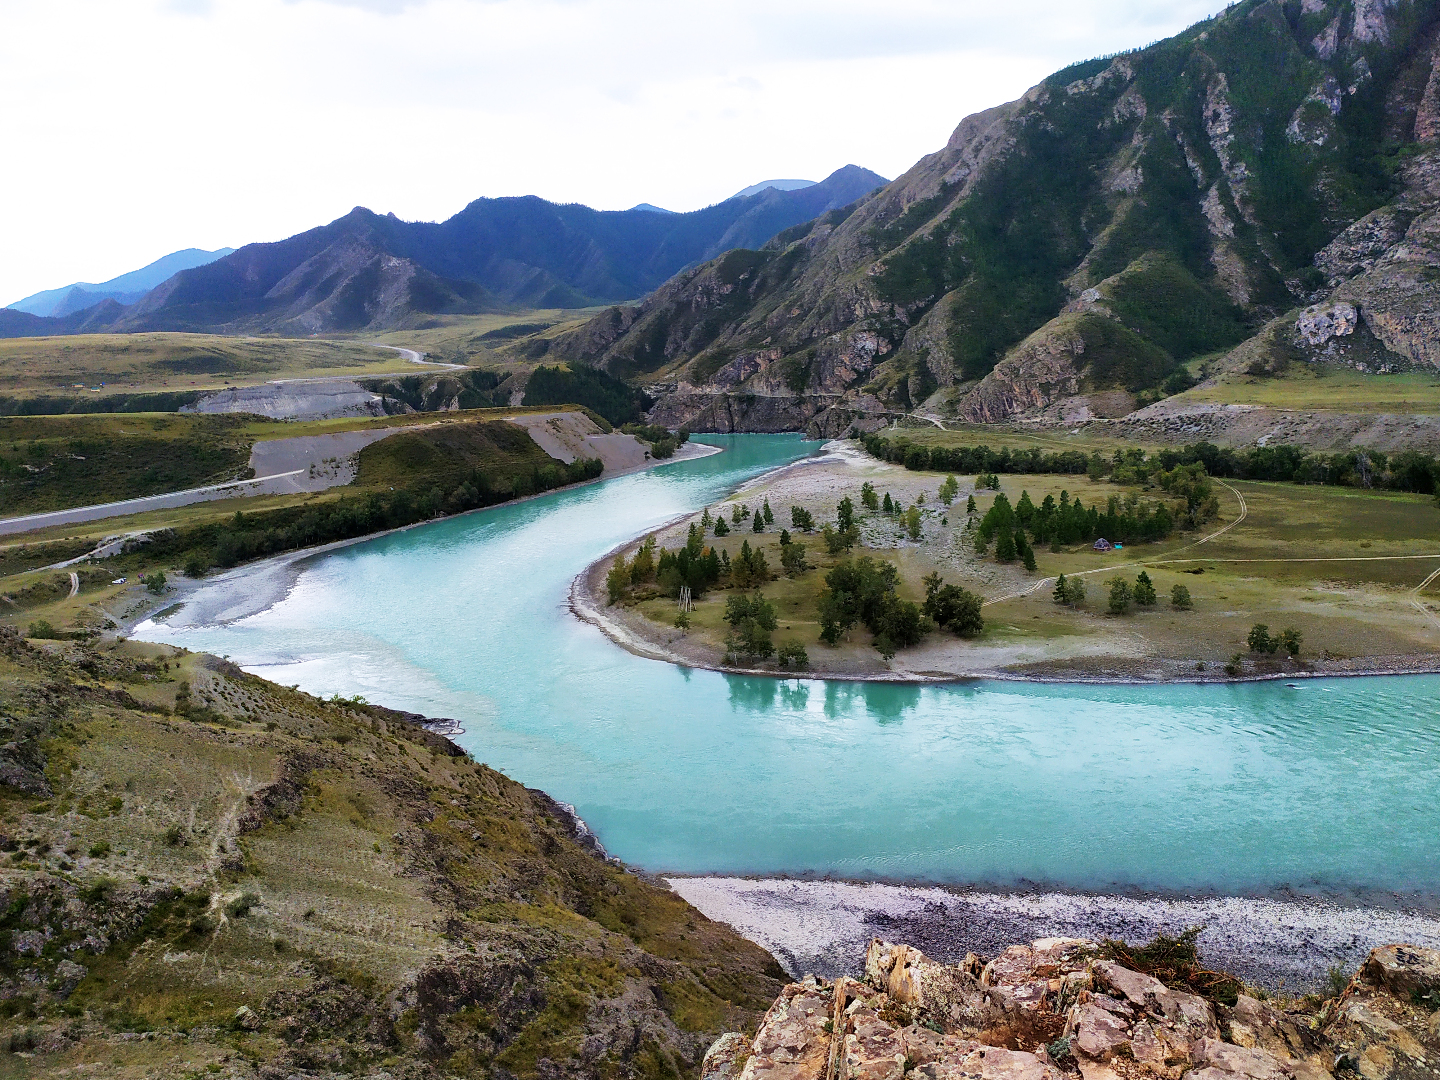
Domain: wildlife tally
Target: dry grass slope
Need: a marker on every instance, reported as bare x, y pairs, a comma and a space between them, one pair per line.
210, 874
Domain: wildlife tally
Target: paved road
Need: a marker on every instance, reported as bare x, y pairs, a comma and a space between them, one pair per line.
284, 483
286, 467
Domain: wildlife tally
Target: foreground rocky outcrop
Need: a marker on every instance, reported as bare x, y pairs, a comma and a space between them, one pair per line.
1064, 1007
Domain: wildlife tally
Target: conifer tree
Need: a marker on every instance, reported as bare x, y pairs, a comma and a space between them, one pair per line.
618, 579
1120, 596
1144, 590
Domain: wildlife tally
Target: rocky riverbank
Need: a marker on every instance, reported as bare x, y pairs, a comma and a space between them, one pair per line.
1088, 1010
1284, 942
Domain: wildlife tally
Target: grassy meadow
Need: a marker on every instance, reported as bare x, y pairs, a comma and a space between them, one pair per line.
1340, 565
1325, 388
81, 364
486, 340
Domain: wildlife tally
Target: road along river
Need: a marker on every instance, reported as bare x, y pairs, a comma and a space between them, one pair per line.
1330, 789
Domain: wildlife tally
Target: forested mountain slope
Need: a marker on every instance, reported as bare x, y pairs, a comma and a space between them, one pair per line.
1072, 249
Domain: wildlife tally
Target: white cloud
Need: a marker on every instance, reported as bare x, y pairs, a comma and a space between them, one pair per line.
141, 126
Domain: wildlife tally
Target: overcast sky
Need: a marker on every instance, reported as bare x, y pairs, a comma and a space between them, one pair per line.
136, 127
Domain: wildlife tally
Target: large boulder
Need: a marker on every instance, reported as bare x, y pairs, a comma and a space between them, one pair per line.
1403, 969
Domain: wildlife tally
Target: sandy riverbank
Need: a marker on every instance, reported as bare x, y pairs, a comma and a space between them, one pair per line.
254, 587
1282, 941
1090, 647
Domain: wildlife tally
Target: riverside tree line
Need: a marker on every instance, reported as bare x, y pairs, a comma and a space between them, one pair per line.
269, 532
1408, 470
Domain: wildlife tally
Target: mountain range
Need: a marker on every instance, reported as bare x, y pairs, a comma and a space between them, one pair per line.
1261, 188
125, 289
366, 271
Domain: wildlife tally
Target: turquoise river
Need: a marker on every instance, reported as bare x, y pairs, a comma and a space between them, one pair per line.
1245, 788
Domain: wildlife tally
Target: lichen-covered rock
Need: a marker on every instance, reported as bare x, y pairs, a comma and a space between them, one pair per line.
1096, 1032
950, 993
1238, 1061
1254, 1023
991, 1063
1403, 969
1318, 324
726, 1057
874, 1049
793, 1042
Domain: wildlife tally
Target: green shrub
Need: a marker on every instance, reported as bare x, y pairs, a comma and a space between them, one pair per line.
792, 656
1289, 640
240, 906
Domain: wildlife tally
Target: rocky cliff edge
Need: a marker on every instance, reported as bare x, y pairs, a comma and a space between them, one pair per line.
1062, 1007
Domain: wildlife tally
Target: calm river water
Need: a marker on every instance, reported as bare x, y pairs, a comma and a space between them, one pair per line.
1244, 788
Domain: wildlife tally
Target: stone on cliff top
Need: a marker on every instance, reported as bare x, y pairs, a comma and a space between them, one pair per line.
1403, 969
1253, 1023
725, 1057
949, 992
1240, 1061
990, 1063
1097, 1017
1096, 1033
793, 1043
874, 1049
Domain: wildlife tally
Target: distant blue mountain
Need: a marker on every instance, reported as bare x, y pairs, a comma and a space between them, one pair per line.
373, 271
125, 289
778, 185
652, 208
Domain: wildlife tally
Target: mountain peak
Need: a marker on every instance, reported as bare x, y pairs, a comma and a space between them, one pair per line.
778, 185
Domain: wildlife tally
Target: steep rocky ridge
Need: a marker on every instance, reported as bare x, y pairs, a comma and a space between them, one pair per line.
1076, 246
1062, 1007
